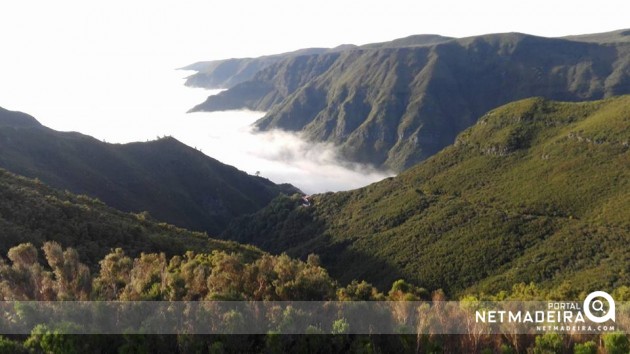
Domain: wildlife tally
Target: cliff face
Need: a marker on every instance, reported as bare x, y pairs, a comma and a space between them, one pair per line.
395, 104
227, 73
271, 85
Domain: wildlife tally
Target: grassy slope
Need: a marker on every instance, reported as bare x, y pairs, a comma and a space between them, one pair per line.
535, 191
172, 181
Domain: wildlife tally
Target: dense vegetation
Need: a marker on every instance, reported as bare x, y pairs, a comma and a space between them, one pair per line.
172, 181
32, 212
395, 104
536, 191
228, 276
125, 256
530, 203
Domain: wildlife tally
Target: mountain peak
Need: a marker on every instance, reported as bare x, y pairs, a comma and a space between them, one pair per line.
17, 119
174, 182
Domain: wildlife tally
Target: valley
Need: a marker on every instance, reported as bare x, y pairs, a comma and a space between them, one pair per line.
427, 170
508, 202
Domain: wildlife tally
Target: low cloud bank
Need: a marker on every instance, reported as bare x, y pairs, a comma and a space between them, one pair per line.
283, 157
127, 102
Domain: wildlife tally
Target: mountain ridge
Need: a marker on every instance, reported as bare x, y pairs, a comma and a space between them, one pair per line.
394, 107
622, 35
33, 212
227, 73
172, 181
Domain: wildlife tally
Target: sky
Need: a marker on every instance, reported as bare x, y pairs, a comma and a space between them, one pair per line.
187, 30
106, 68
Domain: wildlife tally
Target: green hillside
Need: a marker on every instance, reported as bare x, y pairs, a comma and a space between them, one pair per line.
536, 191
395, 104
479, 211
30, 211
172, 181
191, 267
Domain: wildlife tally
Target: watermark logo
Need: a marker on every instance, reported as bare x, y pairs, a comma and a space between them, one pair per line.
589, 316
592, 302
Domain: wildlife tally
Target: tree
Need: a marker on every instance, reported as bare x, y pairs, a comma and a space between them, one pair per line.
616, 343
114, 275
72, 280
549, 343
225, 281
9, 346
194, 270
282, 278
403, 291
49, 340
359, 291
147, 278
585, 348
25, 279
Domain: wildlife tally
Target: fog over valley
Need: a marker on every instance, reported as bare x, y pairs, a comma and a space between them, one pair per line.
153, 103
262, 170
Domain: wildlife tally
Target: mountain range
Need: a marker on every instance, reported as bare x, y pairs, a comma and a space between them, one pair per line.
227, 73
536, 191
502, 204
173, 182
394, 104
514, 185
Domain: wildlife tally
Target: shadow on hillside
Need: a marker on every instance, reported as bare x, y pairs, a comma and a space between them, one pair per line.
286, 227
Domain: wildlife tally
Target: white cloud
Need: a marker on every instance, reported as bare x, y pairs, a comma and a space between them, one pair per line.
313, 166
105, 68
283, 157
151, 102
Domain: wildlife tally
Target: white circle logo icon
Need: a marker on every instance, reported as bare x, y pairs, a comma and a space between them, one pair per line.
598, 306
